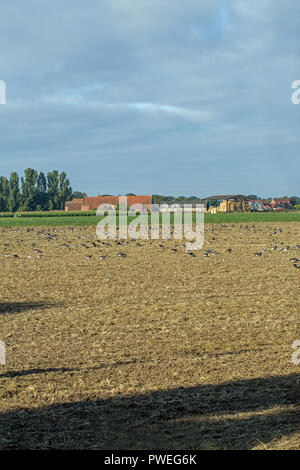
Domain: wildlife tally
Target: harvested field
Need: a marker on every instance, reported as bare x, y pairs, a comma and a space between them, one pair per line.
139, 345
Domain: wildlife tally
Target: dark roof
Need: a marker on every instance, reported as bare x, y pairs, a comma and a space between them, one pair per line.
226, 197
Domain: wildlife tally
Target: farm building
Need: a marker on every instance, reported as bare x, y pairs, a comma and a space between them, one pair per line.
92, 203
230, 203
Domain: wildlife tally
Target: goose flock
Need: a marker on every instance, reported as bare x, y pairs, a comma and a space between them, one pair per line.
44, 243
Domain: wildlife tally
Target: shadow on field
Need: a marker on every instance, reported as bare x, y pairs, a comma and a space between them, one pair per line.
22, 373
18, 307
202, 417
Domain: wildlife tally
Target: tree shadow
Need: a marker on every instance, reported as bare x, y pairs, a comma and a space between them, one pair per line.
233, 415
21, 373
19, 307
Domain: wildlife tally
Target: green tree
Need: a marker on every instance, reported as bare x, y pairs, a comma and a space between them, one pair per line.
53, 190
157, 198
4, 194
41, 192
29, 189
295, 200
14, 199
65, 190
77, 195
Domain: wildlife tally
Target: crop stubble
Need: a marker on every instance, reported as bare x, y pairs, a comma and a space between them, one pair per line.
155, 349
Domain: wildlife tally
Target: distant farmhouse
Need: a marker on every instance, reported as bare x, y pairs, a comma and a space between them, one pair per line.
240, 203
108, 202
280, 203
227, 203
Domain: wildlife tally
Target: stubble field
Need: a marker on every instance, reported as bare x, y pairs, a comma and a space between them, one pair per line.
139, 345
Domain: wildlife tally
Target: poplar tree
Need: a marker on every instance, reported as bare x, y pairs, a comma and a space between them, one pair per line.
65, 190
14, 199
42, 197
29, 189
4, 194
53, 190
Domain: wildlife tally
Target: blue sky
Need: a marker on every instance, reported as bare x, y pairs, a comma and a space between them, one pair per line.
153, 97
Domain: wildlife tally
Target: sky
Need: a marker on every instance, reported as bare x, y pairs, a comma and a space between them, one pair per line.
153, 96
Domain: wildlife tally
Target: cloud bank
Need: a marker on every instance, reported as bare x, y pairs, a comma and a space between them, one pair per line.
153, 96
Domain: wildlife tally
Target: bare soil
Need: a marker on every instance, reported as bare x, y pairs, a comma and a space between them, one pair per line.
157, 349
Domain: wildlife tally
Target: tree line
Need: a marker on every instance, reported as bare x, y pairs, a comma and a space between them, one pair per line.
34, 191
